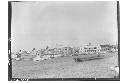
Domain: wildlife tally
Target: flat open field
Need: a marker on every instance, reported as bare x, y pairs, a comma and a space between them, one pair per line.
65, 67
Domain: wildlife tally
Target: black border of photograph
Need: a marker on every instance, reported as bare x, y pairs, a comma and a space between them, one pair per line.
56, 79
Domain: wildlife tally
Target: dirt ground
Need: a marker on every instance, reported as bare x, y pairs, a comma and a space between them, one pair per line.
65, 67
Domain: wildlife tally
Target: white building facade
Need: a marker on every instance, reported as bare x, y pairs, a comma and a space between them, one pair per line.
90, 49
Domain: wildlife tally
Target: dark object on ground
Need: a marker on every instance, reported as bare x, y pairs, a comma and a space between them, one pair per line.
77, 60
87, 58
75, 54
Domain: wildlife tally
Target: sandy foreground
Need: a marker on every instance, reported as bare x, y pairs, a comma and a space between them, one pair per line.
65, 67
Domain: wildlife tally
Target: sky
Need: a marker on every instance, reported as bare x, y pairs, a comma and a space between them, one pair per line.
38, 24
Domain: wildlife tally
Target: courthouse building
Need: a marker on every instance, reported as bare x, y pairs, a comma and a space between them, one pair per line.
89, 49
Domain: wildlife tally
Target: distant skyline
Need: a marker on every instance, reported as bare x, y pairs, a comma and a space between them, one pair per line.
38, 24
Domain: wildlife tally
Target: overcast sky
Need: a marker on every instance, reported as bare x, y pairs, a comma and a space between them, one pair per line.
37, 24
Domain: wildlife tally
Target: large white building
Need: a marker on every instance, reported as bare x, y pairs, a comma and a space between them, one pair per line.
89, 49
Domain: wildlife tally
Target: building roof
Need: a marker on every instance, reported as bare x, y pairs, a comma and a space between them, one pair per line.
92, 46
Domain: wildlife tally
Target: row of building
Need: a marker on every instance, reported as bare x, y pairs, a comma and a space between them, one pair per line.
65, 51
